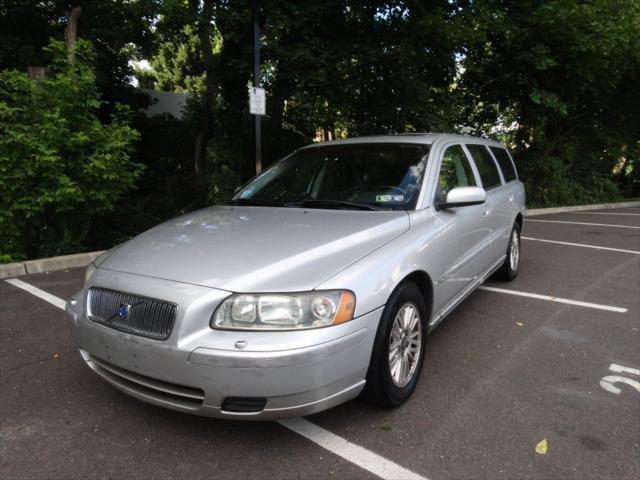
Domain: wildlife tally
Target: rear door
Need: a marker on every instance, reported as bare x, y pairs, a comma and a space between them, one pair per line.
513, 187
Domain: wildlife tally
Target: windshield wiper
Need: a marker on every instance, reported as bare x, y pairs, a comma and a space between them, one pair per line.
330, 204
255, 202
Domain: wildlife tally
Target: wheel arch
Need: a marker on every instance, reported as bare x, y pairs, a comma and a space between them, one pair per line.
424, 283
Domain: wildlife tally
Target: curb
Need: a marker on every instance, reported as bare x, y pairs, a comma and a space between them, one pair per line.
47, 264
12, 270
580, 208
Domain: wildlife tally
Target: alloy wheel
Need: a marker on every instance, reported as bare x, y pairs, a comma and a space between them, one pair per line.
405, 344
514, 253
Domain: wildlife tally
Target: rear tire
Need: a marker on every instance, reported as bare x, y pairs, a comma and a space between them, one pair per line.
509, 269
398, 349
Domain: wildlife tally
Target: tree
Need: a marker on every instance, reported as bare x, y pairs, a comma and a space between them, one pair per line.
177, 64
60, 167
565, 71
186, 62
120, 30
337, 67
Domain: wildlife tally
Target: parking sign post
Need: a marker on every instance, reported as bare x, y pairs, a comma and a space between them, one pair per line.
256, 94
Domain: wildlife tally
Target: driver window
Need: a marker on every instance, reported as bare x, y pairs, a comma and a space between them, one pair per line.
455, 171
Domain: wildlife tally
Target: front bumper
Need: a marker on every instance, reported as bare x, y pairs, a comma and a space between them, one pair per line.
197, 368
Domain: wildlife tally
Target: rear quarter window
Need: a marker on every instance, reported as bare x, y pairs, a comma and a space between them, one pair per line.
486, 166
506, 165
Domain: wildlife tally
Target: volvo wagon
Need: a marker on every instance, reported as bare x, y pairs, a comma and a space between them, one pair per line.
317, 283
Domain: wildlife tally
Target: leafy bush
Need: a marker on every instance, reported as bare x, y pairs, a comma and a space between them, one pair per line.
167, 188
60, 168
225, 175
571, 173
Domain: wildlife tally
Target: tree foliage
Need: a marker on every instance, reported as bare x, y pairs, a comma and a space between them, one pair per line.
177, 63
120, 30
60, 167
337, 68
555, 79
566, 72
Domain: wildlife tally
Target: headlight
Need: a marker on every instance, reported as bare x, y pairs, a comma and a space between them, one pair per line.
290, 311
90, 269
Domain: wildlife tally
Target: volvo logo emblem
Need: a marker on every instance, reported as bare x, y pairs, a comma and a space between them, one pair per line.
123, 311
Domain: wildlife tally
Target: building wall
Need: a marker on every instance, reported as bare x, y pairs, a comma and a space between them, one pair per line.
166, 102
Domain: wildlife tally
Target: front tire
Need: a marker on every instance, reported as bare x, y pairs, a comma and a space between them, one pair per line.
509, 269
398, 350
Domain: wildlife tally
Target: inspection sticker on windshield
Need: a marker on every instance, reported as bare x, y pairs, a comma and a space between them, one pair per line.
389, 198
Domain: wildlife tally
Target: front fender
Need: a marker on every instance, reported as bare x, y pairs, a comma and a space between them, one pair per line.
374, 277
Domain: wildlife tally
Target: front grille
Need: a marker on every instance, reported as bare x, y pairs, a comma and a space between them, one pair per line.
157, 390
133, 314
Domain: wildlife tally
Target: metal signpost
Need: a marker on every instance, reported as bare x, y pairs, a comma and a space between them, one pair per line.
257, 99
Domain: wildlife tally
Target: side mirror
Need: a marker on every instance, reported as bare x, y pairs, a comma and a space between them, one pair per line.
463, 197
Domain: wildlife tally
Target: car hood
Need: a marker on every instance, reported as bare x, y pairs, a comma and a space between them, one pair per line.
256, 249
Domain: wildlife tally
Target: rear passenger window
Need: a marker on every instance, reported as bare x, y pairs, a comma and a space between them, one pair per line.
486, 166
506, 165
455, 171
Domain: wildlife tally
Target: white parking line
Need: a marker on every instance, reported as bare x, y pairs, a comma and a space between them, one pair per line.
605, 213
555, 299
581, 245
614, 367
360, 456
355, 454
47, 297
584, 223
609, 382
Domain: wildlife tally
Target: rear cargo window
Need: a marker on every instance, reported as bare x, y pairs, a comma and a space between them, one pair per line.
506, 165
486, 166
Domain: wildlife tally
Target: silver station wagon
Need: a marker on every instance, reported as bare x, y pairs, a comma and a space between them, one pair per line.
317, 283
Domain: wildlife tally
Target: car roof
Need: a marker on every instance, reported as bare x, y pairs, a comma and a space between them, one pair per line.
418, 138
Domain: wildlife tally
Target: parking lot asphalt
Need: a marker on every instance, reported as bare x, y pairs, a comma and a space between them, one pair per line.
502, 373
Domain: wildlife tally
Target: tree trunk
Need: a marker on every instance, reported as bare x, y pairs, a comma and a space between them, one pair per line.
198, 148
36, 72
621, 161
204, 34
70, 33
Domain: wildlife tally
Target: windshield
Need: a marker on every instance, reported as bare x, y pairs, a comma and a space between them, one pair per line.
372, 176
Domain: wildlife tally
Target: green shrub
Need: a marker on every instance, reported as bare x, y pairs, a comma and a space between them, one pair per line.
60, 167
224, 176
167, 188
569, 175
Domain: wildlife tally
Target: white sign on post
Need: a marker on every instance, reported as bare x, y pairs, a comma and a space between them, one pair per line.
257, 101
